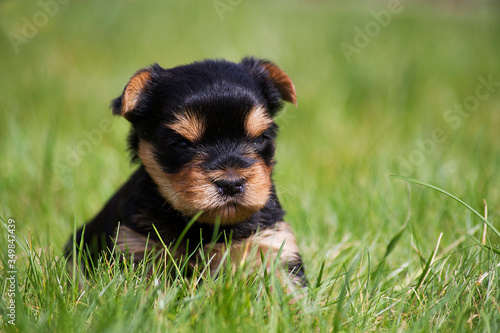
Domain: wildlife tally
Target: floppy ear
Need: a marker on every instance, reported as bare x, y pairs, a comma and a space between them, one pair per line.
282, 81
137, 89
271, 77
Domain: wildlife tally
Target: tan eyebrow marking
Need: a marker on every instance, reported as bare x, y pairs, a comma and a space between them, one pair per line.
188, 125
257, 122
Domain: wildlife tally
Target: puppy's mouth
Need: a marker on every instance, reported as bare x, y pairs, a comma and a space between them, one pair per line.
224, 195
232, 200
227, 195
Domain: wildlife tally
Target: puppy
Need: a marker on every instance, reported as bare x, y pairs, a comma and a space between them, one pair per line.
204, 138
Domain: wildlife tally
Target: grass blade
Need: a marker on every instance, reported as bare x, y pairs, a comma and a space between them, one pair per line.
427, 268
418, 182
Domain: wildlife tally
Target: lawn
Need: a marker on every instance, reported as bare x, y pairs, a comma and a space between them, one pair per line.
409, 89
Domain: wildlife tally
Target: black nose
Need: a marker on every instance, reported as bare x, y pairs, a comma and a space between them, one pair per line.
230, 187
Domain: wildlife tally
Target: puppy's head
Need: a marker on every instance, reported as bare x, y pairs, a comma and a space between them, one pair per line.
205, 133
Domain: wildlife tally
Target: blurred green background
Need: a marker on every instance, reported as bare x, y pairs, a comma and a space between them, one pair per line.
387, 108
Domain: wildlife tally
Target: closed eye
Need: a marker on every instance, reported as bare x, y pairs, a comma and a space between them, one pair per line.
182, 145
259, 141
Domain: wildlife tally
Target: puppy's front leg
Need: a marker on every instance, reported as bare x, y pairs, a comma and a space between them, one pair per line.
267, 244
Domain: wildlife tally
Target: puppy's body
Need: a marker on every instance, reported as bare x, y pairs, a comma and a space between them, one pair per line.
204, 135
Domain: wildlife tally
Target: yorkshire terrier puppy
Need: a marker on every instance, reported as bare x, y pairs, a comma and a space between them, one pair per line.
204, 138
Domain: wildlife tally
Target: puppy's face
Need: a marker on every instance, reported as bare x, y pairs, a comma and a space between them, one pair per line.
205, 133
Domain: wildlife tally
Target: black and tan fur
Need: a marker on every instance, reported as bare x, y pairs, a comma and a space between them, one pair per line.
204, 137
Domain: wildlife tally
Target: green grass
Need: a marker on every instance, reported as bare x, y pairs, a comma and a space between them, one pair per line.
381, 254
